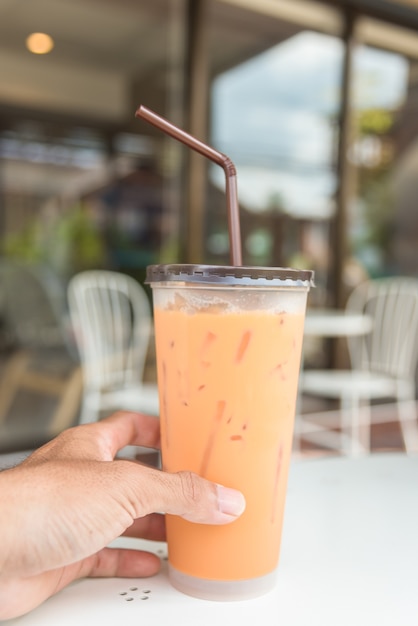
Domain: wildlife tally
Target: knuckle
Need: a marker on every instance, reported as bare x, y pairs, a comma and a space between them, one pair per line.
190, 487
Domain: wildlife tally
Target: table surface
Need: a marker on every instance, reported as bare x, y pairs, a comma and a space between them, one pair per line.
336, 323
349, 557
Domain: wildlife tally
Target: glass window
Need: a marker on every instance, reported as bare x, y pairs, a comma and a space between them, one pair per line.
383, 218
274, 114
83, 183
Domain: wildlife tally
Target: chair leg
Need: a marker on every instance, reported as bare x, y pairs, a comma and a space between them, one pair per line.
348, 419
355, 426
90, 409
11, 381
365, 426
68, 405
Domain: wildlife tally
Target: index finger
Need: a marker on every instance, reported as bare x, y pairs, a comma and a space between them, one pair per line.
127, 428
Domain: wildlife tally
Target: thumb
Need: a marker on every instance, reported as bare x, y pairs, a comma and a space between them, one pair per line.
188, 495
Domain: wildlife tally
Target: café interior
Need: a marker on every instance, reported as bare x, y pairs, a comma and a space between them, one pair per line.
316, 104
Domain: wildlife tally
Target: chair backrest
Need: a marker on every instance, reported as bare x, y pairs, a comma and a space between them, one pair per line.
392, 345
111, 318
33, 305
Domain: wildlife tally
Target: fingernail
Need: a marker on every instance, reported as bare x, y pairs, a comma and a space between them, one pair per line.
230, 501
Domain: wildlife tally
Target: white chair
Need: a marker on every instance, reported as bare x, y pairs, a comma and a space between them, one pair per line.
111, 318
383, 363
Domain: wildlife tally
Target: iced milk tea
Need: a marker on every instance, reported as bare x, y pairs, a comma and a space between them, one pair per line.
228, 376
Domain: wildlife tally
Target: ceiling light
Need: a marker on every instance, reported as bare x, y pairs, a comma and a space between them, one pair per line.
39, 43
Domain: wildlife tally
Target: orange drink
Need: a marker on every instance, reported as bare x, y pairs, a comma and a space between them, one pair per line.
228, 359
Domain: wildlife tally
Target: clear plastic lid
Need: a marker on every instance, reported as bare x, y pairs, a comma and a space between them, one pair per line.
230, 275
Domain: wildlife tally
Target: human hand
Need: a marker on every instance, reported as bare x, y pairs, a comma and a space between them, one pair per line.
68, 500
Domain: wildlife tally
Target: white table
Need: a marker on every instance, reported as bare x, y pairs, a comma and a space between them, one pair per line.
336, 323
349, 558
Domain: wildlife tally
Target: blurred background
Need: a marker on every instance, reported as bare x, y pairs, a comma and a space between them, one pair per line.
315, 102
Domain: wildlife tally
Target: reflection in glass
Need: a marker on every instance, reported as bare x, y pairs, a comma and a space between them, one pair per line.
275, 116
384, 109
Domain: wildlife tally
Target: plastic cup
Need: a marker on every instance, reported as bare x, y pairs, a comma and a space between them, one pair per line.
228, 347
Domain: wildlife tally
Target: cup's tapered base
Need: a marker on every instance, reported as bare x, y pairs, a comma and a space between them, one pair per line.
221, 590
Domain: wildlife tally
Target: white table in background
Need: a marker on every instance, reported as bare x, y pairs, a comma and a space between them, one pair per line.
349, 558
336, 323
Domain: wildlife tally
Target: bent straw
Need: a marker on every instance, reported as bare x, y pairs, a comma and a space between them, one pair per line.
218, 158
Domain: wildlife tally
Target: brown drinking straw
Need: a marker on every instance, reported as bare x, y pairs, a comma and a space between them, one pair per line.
218, 158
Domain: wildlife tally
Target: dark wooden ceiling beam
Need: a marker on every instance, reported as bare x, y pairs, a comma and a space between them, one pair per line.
393, 12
